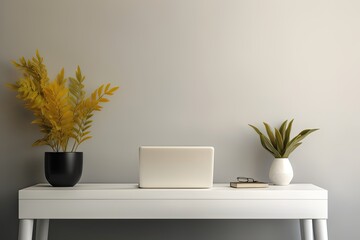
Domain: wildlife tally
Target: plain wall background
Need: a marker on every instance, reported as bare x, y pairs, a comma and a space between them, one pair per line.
192, 73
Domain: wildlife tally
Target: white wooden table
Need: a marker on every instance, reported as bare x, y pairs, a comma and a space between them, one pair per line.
41, 202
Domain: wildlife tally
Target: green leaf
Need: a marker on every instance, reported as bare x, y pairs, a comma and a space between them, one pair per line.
302, 135
87, 127
290, 149
72, 99
287, 133
279, 140
88, 122
256, 130
73, 91
283, 128
270, 146
306, 132
264, 145
73, 81
270, 134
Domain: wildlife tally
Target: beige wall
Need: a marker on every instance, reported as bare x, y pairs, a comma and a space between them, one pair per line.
193, 73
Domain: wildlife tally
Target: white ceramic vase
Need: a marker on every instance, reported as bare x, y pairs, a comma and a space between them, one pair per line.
281, 172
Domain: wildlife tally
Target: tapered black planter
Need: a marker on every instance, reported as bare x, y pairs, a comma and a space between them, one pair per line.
63, 169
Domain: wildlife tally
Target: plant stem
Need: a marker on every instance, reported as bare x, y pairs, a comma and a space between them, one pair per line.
72, 149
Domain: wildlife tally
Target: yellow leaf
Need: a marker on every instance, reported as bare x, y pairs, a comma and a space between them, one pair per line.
93, 96
60, 77
113, 89
107, 87
61, 111
104, 100
78, 73
39, 142
85, 133
85, 138
12, 86
37, 121
37, 53
100, 90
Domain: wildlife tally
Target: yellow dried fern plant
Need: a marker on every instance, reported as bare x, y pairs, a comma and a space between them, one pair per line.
61, 109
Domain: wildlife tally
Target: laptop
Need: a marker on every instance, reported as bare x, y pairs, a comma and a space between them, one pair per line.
176, 167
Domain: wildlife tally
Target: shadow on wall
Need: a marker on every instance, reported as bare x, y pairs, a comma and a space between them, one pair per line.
174, 229
21, 165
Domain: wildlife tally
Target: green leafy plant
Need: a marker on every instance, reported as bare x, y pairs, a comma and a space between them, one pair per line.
278, 142
62, 111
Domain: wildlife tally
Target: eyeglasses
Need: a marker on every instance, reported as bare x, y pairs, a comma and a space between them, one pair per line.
245, 179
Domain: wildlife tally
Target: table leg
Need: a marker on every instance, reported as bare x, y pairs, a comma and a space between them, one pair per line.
320, 229
25, 229
42, 229
306, 228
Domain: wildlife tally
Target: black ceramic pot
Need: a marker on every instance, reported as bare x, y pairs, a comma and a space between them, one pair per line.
63, 169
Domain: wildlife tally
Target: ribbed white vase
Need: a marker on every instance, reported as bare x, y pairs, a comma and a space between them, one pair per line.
281, 172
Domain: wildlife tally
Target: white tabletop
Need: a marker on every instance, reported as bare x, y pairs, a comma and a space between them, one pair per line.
128, 201
306, 202
132, 191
